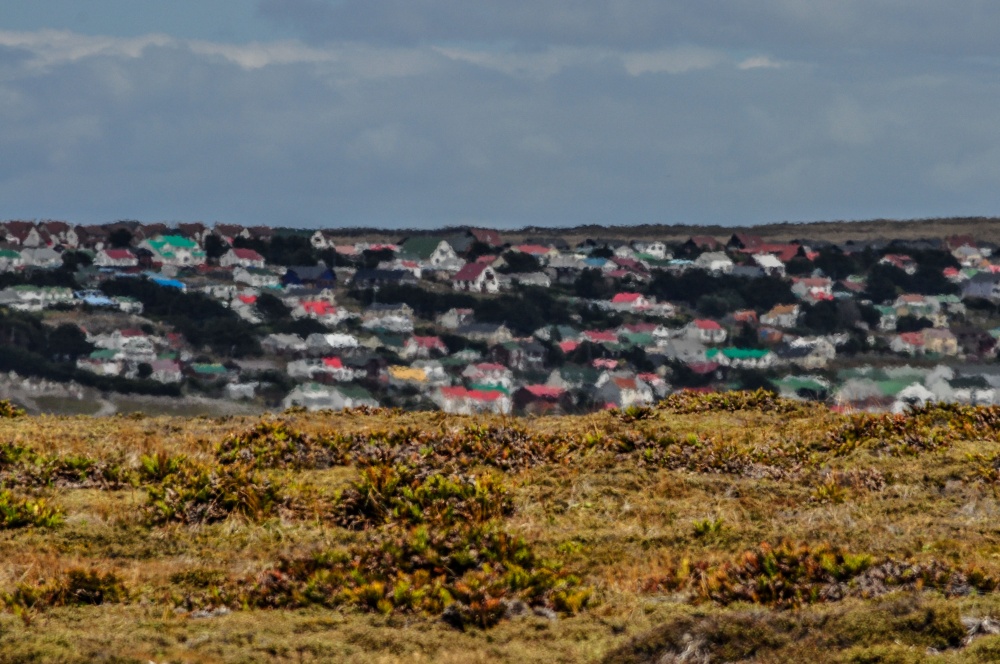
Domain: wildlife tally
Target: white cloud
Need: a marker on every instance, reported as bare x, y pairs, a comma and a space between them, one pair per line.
761, 62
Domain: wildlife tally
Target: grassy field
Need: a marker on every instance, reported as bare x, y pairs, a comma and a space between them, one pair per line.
728, 528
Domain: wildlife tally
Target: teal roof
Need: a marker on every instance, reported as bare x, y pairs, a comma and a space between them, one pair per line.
354, 391
738, 353
489, 387
103, 354
212, 369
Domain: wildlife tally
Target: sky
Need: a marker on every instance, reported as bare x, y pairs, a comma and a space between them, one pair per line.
425, 113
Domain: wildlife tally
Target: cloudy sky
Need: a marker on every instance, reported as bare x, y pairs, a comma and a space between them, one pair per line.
410, 113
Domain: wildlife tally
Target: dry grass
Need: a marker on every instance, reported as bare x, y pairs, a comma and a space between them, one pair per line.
619, 518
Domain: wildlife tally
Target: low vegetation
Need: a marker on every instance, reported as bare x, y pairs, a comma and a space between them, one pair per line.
708, 528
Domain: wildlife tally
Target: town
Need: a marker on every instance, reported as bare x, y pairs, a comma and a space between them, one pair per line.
466, 320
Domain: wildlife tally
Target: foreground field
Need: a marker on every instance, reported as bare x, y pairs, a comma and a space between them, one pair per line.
708, 529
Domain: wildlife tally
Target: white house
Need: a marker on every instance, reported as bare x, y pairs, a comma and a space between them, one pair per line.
476, 277
116, 258
241, 257
705, 331
714, 261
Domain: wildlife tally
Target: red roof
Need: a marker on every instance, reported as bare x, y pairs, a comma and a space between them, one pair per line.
477, 395
333, 362
703, 367
705, 241
429, 342
319, 307
248, 299
568, 346
705, 324
621, 298
600, 337
625, 383
533, 249
486, 258
132, 332
490, 366
470, 271
913, 338
487, 236
120, 254
604, 363
247, 254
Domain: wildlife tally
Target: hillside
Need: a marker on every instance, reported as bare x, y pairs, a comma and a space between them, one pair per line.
983, 228
706, 529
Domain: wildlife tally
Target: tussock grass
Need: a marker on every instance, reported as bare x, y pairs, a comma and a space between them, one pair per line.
728, 527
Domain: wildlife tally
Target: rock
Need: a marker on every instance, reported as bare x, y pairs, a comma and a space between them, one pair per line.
545, 612
515, 608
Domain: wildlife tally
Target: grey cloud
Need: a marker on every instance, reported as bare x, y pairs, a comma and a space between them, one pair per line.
178, 132
789, 27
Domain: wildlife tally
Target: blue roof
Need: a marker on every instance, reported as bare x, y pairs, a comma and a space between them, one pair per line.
168, 283
595, 262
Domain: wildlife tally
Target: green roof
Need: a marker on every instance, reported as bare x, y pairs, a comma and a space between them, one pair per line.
9, 253
103, 354
419, 247
489, 387
354, 391
178, 241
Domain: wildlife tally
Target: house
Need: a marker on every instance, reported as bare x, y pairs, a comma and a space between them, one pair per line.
174, 250
742, 358
541, 400
476, 277
654, 249
910, 343
241, 257
166, 371
520, 354
256, 277
489, 373
714, 261
782, 315
372, 278
434, 252
490, 238
320, 310
984, 285
813, 288
283, 344
808, 353
702, 243
10, 260
45, 258
319, 240
492, 333
23, 233
622, 391
121, 258
770, 264
411, 266
572, 376
229, 232
389, 317
744, 241
424, 348
539, 251
314, 396
464, 401
539, 279
317, 276
59, 233
633, 302
940, 341
706, 331
900, 261
104, 362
